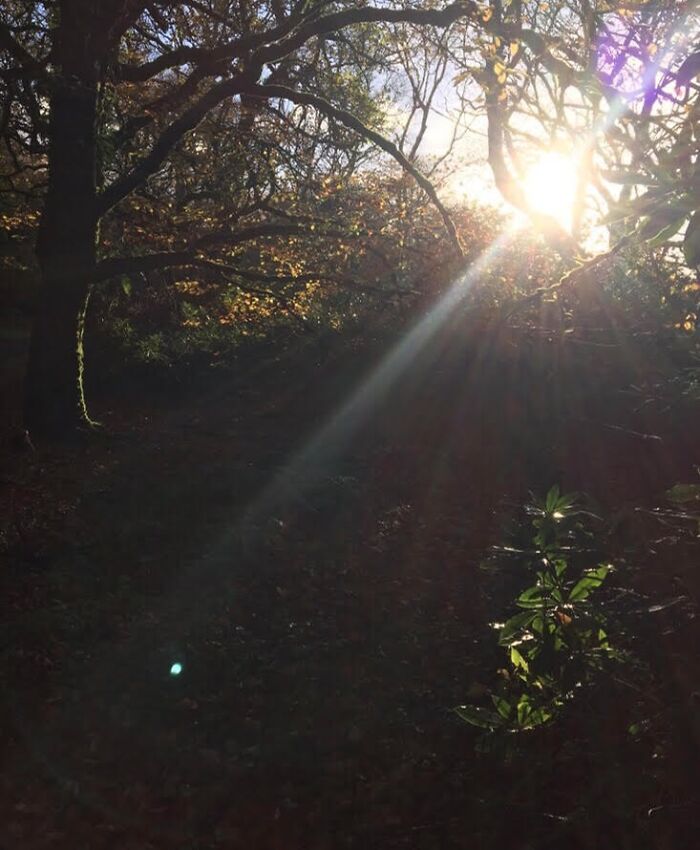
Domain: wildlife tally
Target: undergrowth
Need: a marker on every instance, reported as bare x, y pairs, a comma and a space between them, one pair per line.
557, 642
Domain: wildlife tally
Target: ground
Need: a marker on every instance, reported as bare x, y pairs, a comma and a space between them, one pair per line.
313, 566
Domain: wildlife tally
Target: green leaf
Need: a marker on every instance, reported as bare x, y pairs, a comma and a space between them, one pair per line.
539, 717
503, 707
639, 728
524, 709
560, 566
478, 716
552, 499
684, 493
664, 235
566, 501
517, 660
126, 285
661, 220
538, 623
533, 598
590, 581
515, 626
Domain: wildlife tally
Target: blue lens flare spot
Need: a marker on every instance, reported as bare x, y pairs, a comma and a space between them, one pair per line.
176, 669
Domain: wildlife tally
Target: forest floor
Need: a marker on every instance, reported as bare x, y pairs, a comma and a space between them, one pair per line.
314, 568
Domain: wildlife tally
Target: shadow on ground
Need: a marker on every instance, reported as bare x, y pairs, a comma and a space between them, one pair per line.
322, 597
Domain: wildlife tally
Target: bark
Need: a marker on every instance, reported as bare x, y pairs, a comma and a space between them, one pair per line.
66, 245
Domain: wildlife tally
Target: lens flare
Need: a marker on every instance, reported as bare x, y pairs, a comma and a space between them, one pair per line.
550, 187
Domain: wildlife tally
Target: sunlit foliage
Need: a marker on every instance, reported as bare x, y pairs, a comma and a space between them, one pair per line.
558, 641
613, 87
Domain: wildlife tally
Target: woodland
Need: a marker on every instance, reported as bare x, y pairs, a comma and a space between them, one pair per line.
349, 424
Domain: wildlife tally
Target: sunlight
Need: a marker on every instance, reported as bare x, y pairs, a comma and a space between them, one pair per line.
550, 186
317, 457
314, 460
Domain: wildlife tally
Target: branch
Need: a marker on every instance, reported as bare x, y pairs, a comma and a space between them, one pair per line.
150, 163
354, 123
210, 57
511, 189
340, 280
572, 277
350, 17
278, 42
28, 63
114, 266
271, 52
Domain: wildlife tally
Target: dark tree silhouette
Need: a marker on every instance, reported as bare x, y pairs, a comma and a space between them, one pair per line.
102, 97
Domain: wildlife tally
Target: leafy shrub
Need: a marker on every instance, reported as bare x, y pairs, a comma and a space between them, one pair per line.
557, 642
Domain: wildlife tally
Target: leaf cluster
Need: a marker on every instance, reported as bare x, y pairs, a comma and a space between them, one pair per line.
557, 641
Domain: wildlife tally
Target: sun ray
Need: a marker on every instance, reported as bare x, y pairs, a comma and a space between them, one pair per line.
316, 459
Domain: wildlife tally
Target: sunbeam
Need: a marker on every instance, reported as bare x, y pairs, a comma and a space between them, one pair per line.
185, 602
315, 457
313, 461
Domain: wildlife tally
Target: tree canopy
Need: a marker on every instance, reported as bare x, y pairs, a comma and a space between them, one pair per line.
610, 84
230, 137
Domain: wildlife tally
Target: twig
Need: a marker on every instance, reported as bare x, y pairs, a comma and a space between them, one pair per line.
571, 278
624, 430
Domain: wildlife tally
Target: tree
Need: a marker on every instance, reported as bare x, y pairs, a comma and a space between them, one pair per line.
612, 83
116, 105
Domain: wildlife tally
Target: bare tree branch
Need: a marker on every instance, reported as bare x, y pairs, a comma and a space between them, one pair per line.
283, 39
28, 64
115, 266
354, 123
152, 161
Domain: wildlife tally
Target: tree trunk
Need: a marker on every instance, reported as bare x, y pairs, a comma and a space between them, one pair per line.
54, 396
67, 242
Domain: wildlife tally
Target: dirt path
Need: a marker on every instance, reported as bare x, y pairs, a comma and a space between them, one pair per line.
319, 586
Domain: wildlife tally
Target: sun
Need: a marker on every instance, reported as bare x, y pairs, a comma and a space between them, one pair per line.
550, 186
